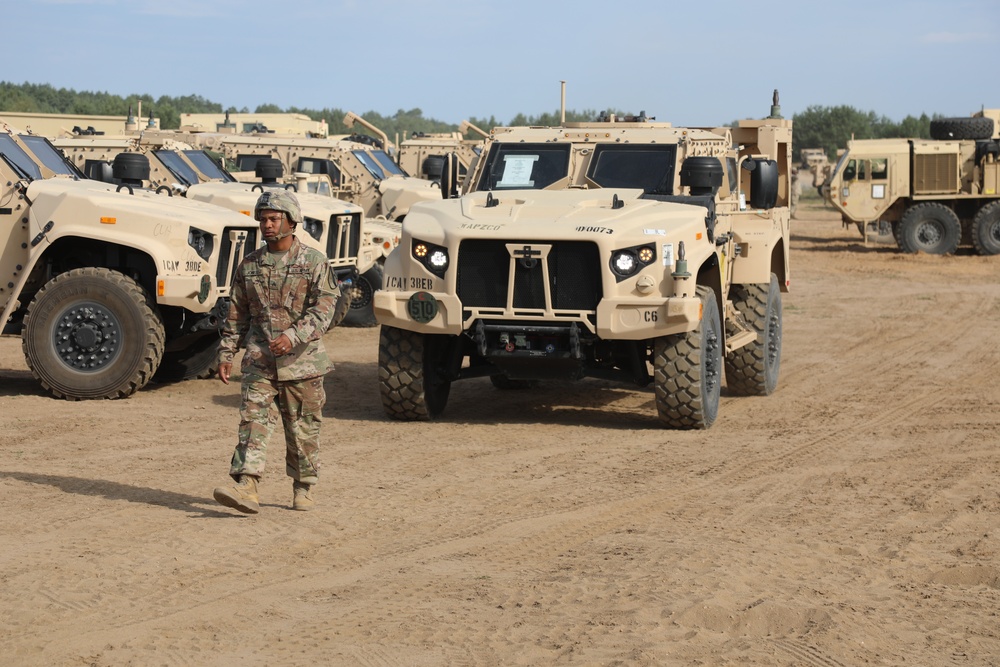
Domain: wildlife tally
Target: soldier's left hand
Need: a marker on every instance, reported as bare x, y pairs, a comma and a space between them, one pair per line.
281, 345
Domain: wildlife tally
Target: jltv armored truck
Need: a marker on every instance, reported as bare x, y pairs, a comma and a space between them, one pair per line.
335, 228
624, 249
934, 195
108, 285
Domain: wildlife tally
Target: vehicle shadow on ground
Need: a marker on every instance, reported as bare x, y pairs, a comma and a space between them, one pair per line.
353, 394
82, 486
826, 244
20, 383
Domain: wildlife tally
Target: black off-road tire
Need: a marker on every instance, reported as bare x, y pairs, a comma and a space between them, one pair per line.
92, 333
961, 128
362, 312
986, 229
687, 371
753, 369
409, 374
199, 362
929, 227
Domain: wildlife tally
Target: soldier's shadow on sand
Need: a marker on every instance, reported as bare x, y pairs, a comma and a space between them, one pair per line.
83, 486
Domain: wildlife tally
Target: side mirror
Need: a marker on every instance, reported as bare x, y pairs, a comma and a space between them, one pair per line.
449, 176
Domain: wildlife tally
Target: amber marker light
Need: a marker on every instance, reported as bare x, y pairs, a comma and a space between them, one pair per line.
161, 287
107, 220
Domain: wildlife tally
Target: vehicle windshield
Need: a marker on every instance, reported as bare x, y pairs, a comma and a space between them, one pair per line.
209, 168
650, 167
16, 155
50, 156
524, 166
840, 164
373, 167
180, 169
387, 164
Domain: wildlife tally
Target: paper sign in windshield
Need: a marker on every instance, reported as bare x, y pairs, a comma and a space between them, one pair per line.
517, 171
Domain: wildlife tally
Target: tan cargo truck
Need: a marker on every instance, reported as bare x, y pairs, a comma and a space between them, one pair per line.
933, 195
108, 284
334, 227
622, 249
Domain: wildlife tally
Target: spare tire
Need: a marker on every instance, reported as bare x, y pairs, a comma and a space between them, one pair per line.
961, 128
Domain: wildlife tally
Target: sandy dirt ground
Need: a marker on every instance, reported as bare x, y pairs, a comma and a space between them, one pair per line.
852, 518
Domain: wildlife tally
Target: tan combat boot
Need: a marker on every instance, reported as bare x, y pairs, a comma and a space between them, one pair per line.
242, 496
303, 499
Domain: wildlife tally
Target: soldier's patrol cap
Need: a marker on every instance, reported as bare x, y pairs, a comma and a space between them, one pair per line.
279, 200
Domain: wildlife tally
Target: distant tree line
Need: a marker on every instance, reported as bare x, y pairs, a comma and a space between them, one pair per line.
828, 128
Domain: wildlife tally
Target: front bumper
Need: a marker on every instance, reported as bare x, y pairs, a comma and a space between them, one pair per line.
615, 319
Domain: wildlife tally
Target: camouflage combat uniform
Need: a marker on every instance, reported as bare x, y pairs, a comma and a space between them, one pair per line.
293, 294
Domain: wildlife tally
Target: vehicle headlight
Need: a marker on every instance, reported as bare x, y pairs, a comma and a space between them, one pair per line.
202, 242
625, 262
629, 261
433, 257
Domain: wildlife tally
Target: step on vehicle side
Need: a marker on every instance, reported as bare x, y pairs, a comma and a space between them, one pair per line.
621, 249
106, 284
933, 195
334, 227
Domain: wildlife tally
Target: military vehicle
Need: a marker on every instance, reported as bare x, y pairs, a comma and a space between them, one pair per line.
353, 171
933, 195
334, 227
623, 249
108, 285
424, 153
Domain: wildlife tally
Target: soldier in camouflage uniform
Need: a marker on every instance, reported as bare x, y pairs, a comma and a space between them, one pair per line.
283, 301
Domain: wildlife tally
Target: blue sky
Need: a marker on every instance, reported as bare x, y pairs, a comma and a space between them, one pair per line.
693, 63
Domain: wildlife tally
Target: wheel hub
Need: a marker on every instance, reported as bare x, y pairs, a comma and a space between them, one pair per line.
929, 233
87, 337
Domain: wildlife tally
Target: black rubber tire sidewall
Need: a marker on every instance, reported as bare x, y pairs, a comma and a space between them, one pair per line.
142, 336
362, 311
953, 129
407, 382
929, 217
986, 229
687, 371
753, 369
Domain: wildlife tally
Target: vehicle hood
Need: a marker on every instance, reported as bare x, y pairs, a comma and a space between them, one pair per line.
543, 214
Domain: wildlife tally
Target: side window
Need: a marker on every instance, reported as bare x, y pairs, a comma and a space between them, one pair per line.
851, 170
880, 168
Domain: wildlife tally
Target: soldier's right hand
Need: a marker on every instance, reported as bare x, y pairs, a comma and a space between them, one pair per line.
224, 370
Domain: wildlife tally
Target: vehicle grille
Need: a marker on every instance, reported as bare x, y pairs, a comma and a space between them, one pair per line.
237, 243
484, 274
345, 237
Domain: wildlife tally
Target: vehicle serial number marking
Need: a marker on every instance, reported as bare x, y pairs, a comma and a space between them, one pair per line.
595, 230
400, 282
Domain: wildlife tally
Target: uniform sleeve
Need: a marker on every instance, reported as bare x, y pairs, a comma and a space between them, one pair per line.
321, 302
237, 322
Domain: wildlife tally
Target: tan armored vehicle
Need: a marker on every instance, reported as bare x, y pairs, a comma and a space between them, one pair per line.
334, 227
353, 171
424, 154
932, 194
626, 250
108, 285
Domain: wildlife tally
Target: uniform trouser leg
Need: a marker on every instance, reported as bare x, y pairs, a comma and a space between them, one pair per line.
257, 421
301, 406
